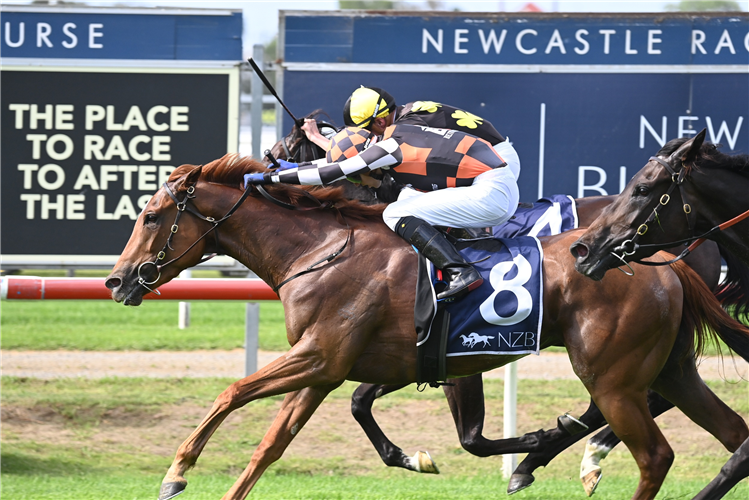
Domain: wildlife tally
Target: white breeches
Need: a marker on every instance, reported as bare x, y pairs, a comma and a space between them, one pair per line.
490, 201
508, 154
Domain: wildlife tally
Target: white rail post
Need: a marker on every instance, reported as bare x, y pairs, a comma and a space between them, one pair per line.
184, 307
510, 462
251, 329
256, 109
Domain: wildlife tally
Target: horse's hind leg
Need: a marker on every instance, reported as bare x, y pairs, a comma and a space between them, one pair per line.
736, 469
555, 442
393, 456
684, 387
466, 399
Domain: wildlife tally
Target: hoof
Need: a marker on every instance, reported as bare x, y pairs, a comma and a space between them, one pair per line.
571, 424
171, 490
424, 463
519, 482
590, 481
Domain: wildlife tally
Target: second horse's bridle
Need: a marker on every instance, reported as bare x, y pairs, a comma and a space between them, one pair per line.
630, 247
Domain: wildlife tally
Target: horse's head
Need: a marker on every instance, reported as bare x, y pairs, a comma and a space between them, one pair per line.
296, 147
160, 245
650, 211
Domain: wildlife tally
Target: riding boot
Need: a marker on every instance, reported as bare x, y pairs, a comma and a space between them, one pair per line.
462, 277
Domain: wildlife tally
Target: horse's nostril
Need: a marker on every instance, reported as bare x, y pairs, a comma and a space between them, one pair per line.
579, 250
113, 283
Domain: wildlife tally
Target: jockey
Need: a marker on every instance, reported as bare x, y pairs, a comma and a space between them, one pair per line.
374, 109
461, 180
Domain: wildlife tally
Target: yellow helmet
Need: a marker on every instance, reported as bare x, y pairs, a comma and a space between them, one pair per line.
365, 104
347, 143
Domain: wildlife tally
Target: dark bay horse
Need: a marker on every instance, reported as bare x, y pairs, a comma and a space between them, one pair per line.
353, 317
465, 395
690, 187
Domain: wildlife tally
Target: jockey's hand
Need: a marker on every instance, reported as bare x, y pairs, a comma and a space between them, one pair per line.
310, 128
314, 135
256, 179
285, 165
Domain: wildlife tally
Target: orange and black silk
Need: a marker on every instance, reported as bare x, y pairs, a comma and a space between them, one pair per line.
440, 158
426, 158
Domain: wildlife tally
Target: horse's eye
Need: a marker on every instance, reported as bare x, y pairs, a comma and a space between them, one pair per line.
642, 190
150, 218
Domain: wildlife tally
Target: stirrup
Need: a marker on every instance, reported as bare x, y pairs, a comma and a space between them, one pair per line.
449, 295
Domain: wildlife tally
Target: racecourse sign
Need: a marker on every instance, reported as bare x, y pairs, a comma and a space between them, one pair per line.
585, 99
88, 140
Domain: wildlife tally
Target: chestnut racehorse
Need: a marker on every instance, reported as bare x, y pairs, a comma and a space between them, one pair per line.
349, 314
686, 190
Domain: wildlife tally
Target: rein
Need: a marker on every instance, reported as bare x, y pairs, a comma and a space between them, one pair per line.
321, 205
154, 268
630, 247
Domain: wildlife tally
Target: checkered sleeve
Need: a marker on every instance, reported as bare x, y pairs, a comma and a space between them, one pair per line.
383, 154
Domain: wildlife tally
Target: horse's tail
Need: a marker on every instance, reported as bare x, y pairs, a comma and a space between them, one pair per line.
733, 292
704, 315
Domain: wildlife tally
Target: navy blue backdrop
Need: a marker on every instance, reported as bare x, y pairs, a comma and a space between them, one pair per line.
599, 115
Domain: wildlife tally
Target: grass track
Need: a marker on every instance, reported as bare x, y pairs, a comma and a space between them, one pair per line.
105, 325
293, 487
90, 439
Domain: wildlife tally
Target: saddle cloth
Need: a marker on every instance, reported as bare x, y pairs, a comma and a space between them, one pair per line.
502, 316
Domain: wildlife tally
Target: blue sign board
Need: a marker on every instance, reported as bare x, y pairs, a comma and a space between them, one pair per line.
98, 34
502, 39
585, 99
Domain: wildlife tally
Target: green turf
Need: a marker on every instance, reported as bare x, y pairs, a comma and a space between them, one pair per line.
83, 466
321, 487
105, 325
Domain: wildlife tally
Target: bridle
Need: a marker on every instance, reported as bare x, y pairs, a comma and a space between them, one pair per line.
155, 268
182, 206
630, 247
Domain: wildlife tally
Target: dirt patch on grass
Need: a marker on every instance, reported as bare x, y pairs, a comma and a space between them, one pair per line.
331, 432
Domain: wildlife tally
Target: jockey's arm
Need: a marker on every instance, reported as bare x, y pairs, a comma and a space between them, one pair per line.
383, 154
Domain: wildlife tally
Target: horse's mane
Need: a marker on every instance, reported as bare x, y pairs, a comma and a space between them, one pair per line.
229, 170
709, 157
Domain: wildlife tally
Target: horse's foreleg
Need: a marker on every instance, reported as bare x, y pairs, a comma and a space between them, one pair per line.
297, 369
295, 411
627, 414
393, 456
730, 474
598, 447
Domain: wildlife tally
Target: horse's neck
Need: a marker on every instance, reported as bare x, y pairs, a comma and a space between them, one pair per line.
273, 241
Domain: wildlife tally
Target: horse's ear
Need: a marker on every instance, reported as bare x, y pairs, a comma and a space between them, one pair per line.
691, 149
190, 179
